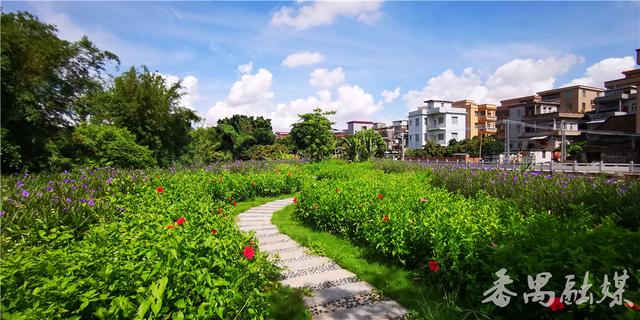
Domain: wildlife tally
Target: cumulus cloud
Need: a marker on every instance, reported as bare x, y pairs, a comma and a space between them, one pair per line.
302, 58
189, 89
390, 96
251, 95
518, 77
245, 68
604, 70
322, 13
325, 79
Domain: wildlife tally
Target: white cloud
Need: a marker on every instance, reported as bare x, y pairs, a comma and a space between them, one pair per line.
302, 58
518, 77
390, 96
325, 79
245, 68
604, 70
251, 95
321, 13
189, 89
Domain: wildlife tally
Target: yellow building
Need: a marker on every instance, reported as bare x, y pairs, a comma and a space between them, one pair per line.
481, 118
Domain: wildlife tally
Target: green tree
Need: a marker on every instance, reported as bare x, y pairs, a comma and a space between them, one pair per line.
43, 79
312, 135
204, 147
363, 145
142, 102
240, 133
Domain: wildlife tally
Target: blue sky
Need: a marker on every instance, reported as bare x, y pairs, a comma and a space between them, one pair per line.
232, 56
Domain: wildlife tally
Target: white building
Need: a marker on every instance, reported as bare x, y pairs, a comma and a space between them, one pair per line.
438, 121
354, 126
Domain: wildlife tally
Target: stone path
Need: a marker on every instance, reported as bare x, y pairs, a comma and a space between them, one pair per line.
337, 293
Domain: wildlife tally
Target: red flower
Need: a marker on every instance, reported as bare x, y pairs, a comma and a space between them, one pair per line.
385, 218
556, 304
181, 220
423, 200
170, 226
632, 306
214, 231
235, 203
248, 252
160, 189
295, 200
219, 210
380, 196
434, 266
337, 190
289, 174
230, 199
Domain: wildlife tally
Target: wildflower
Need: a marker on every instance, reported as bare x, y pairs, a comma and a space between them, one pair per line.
84, 186
235, 203
91, 203
2, 213
67, 199
214, 231
632, 305
219, 210
109, 180
434, 266
385, 218
25, 193
160, 189
556, 304
74, 187
423, 200
49, 189
295, 200
337, 190
380, 196
515, 179
170, 226
181, 220
248, 252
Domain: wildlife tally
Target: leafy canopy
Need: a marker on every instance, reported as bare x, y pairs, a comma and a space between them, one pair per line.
313, 136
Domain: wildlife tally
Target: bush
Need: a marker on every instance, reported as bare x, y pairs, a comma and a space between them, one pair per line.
269, 152
105, 145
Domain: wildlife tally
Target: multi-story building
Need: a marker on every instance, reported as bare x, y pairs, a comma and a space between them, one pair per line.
573, 99
631, 79
394, 136
437, 121
515, 110
481, 118
543, 133
614, 102
354, 126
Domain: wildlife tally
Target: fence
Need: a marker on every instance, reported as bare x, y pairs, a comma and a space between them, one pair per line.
575, 167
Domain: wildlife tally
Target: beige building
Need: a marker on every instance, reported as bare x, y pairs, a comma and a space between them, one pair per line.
573, 99
481, 118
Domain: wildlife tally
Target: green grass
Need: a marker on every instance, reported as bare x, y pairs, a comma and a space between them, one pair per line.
393, 281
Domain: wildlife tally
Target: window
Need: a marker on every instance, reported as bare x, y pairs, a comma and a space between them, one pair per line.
544, 154
409, 137
476, 113
440, 136
441, 120
425, 122
426, 136
454, 135
442, 104
584, 93
417, 122
416, 137
364, 127
454, 120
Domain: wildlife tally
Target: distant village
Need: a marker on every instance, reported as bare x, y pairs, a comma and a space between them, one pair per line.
536, 128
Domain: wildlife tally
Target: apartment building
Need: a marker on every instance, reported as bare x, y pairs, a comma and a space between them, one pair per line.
515, 110
354, 126
631, 79
394, 136
481, 118
437, 121
573, 99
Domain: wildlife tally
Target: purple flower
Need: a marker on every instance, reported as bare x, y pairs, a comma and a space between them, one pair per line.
84, 186
515, 179
25, 193
20, 184
74, 187
622, 189
67, 199
26, 174
92, 191
109, 180
2, 213
83, 200
66, 172
91, 203
49, 189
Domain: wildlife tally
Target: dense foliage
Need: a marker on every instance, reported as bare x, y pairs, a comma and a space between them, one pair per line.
313, 136
43, 80
120, 244
457, 243
475, 147
362, 146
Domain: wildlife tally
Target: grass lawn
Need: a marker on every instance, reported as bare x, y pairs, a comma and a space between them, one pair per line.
392, 281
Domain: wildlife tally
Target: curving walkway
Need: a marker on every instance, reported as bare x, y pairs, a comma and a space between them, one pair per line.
337, 293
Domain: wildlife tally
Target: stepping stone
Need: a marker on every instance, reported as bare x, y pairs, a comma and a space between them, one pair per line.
278, 245
318, 278
386, 309
314, 261
338, 292
268, 240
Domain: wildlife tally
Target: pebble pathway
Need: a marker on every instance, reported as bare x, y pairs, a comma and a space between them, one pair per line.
336, 292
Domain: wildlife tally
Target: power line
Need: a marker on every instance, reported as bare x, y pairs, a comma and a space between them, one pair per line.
602, 132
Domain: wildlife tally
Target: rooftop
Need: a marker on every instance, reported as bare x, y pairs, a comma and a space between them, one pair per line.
360, 121
546, 92
427, 101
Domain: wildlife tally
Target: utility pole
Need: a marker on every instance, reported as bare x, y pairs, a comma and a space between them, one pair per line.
480, 152
563, 143
507, 143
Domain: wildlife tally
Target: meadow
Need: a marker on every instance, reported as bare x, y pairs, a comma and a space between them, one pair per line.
161, 243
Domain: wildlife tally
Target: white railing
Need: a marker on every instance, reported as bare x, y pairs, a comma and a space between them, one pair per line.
573, 167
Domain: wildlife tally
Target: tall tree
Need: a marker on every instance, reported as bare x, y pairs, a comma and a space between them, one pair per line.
43, 78
142, 102
312, 135
239, 133
363, 145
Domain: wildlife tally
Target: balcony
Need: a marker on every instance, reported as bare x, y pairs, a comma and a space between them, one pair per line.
487, 118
